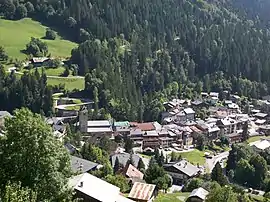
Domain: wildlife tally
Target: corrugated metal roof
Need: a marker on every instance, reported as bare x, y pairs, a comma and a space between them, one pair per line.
142, 191
133, 172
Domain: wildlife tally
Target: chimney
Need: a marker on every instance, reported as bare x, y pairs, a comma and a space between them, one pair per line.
81, 184
81, 166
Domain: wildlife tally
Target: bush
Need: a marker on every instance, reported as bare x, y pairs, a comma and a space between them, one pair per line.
192, 184
50, 34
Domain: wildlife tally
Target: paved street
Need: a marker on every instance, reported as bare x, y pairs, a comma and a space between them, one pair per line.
210, 163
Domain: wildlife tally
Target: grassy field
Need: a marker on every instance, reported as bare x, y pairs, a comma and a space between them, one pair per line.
174, 197
14, 35
70, 83
194, 156
50, 71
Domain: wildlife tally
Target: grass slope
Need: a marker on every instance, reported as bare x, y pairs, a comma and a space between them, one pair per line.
194, 157
70, 83
174, 197
14, 35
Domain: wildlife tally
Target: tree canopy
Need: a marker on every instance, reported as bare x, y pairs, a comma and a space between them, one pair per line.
30, 154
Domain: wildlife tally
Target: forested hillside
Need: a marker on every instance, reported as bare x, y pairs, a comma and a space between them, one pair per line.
137, 53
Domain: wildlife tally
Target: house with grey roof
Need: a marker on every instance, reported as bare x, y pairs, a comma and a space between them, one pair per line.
198, 195
79, 165
124, 157
181, 171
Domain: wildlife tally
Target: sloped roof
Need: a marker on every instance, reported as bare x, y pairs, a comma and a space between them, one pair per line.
95, 187
262, 145
200, 193
189, 111
142, 191
124, 157
133, 172
4, 114
81, 165
185, 167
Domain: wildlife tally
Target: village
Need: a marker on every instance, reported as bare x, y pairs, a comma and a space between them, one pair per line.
199, 132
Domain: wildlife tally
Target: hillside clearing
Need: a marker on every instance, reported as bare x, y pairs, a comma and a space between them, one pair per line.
16, 34
70, 83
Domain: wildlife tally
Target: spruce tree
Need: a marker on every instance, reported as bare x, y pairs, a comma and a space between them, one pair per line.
116, 165
217, 175
141, 165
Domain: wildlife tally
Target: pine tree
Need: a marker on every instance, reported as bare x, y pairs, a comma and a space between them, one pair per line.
217, 175
116, 165
141, 165
245, 131
161, 159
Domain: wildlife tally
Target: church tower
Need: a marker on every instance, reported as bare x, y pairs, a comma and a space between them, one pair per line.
83, 118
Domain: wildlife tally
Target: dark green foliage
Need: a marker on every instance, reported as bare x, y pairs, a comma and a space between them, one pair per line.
156, 174
37, 48
41, 157
116, 165
50, 34
192, 184
245, 131
30, 90
119, 181
141, 165
3, 54
217, 175
30, 8
21, 12
66, 72
128, 145
7, 8
200, 142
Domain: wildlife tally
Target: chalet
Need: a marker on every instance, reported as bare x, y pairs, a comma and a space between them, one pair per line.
40, 61
190, 114
142, 192
181, 171
92, 189
150, 139
136, 135
234, 137
227, 126
198, 195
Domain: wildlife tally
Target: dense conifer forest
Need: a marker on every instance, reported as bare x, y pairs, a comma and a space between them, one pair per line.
135, 54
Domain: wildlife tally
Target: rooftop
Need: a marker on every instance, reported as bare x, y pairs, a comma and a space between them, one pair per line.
262, 145
81, 165
200, 193
124, 157
4, 114
98, 123
99, 130
185, 167
95, 187
133, 172
189, 111
142, 191
144, 126
121, 124
261, 115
